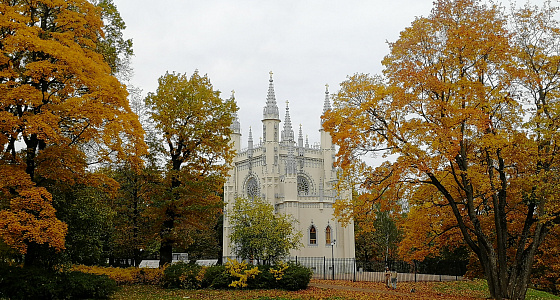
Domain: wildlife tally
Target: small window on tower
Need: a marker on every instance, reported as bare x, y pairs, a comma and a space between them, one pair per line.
328, 235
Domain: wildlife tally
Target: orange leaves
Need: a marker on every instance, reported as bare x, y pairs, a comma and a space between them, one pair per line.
30, 216
60, 88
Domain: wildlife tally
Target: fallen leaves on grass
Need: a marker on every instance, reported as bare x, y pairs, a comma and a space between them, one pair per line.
333, 290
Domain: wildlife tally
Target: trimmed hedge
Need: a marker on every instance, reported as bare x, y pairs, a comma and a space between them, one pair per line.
183, 275
290, 276
37, 283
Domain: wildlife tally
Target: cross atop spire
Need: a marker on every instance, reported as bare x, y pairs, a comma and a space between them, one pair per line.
270, 111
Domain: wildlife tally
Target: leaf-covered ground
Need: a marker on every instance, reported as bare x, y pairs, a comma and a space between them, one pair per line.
331, 290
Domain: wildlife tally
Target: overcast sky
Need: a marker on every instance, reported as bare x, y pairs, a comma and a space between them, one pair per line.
305, 43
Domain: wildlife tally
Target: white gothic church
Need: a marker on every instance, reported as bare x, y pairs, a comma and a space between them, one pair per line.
294, 177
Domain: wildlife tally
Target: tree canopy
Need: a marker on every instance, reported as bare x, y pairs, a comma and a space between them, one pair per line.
260, 234
58, 100
468, 107
193, 124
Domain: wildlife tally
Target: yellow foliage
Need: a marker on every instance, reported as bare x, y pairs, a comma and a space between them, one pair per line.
282, 267
240, 270
126, 276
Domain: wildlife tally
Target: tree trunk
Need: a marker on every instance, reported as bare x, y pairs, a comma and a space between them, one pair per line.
31, 256
165, 253
166, 247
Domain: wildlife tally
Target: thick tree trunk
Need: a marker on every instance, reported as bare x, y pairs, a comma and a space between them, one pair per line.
512, 288
166, 247
165, 253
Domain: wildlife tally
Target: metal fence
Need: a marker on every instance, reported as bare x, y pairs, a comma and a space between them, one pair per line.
350, 269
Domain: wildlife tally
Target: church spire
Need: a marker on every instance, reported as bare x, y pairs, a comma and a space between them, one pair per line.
250, 140
300, 137
270, 111
235, 125
287, 133
327, 104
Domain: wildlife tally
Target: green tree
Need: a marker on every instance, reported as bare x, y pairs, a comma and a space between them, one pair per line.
90, 219
133, 225
258, 233
469, 107
377, 236
115, 49
193, 125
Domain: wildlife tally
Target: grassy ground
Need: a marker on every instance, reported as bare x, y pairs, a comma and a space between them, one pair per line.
332, 290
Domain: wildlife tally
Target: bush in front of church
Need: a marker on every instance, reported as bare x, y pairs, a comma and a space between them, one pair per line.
296, 277
238, 275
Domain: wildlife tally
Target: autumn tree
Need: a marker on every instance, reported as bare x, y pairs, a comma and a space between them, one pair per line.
133, 225
468, 106
377, 236
260, 234
193, 124
58, 98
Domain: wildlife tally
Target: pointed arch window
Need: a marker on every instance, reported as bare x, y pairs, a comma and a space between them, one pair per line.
328, 235
312, 235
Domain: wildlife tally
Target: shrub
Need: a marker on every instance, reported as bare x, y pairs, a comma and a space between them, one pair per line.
221, 280
295, 277
38, 283
183, 275
124, 276
86, 286
289, 276
264, 279
211, 274
242, 272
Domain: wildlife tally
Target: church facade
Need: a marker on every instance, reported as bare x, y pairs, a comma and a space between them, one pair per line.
296, 178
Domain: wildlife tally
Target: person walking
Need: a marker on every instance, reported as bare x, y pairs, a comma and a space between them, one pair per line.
387, 276
394, 279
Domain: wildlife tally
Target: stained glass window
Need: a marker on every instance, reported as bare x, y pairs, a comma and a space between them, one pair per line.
252, 188
302, 186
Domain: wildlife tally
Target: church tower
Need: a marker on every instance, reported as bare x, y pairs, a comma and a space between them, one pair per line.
294, 177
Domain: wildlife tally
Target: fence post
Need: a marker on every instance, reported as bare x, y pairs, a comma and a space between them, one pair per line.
324, 268
354, 279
